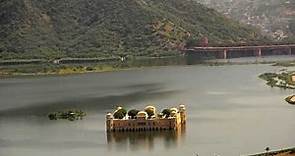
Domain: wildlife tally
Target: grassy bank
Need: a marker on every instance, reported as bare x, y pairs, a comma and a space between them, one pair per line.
281, 79
51, 68
285, 64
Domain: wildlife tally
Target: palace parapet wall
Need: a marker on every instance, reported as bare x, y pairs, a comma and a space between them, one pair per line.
142, 123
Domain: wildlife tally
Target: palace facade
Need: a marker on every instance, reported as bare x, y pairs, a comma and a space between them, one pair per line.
142, 122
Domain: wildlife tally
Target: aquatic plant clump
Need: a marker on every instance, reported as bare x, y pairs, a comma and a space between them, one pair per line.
282, 80
70, 115
270, 78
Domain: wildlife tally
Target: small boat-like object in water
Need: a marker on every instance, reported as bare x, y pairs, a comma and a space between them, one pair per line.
290, 99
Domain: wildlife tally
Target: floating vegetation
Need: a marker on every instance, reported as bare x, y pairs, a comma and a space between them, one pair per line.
70, 115
281, 80
285, 64
284, 80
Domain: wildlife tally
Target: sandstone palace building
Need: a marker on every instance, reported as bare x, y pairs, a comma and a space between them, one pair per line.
147, 120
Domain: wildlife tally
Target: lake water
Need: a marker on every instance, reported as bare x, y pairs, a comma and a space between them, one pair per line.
230, 112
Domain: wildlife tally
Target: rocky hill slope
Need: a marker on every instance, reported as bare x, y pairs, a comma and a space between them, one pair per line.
108, 28
275, 17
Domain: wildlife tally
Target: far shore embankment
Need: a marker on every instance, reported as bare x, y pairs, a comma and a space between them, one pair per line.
39, 67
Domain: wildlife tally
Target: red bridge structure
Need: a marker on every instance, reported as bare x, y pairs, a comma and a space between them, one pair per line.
224, 52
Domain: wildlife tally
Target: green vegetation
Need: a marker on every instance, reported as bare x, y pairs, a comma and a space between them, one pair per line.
51, 29
281, 80
150, 112
63, 69
120, 113
132, 113
285, 64
47, 68
51, 69
274, 17
270, 78
70, 115
166, 112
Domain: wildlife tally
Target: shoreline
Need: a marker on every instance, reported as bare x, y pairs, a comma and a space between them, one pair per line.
46, 69
14, 75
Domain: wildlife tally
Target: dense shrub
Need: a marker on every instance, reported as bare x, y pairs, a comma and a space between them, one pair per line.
132, 113
120, 114
166, 112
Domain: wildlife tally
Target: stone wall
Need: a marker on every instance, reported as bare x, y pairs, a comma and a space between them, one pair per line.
171, 123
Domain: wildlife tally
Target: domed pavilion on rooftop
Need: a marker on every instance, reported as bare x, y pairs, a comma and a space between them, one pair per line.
147, 119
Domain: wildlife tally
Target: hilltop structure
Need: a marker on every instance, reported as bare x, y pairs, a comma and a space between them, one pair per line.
147, 120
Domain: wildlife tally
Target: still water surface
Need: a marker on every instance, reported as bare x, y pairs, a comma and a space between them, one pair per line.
230, 112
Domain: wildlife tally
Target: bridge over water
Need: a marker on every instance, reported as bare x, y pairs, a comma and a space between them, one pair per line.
241, 51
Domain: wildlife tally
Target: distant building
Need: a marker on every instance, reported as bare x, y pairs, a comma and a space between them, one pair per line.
175, 120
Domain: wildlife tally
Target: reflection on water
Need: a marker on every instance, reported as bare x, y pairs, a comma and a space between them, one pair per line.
145, 139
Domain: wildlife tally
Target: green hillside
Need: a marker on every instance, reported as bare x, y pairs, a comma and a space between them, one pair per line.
108, 28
